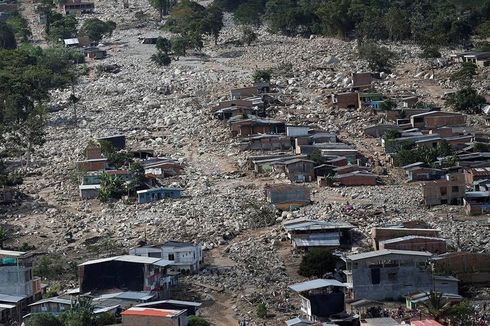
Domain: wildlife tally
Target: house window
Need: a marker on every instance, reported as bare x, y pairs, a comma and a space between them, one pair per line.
171, 257
443, 191
375, 276
455, 189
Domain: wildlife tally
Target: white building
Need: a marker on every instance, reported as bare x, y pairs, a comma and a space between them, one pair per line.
186, 256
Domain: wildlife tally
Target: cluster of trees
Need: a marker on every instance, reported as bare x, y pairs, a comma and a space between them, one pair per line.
81, 313
408, 153
427, 22
317, 263
466, 99
27, 74
59, 27
191, 21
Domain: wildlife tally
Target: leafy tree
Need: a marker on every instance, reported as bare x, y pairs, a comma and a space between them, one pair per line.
397, 24
137, 176
61, 27
316, 156
391, 134
466, 100
161, 58
249, 13
261, 310
483, 30
7, 37
317, 262
45, 8
213, 22
262, 75
197, 321
379, 58
48, 268
106, 318
248, 36
163, 44
179, 45
20, 27
430, 51
464, 76
95, 29
387, 105
111, 187
163, 6
462, 314
283, 16
43, 319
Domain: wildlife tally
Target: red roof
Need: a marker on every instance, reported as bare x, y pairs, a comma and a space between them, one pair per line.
427, 322
150, 312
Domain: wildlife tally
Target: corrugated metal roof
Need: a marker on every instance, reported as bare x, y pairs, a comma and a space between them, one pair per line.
176, 302
384, 321
385, 252
128, 295
6, 306
308, 224
53, 300
11, 298
11, 253
316, 242
426, 322
101, 310
410, 237
131, 259
315, 284
298, 321
151, 312
71, 41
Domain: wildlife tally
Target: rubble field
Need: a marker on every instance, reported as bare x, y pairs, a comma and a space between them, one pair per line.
167, 109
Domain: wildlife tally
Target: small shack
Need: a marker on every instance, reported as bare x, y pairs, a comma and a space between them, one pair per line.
155, 194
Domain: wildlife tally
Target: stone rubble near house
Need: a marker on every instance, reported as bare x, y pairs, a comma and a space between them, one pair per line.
167, 109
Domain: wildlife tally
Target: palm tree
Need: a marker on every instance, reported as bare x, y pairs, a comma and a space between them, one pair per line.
437, 307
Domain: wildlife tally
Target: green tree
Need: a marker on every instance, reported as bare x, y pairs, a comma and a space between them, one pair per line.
161, 58
213, 22
137, 177
283, 16
43, 319
463, 314
61, 27
379, 58
248, 36
45, 9
20, 27
48, 268
197, 321
163, 6
397, 24
483, 30
391, 134
111, 187
7, 37
96, 29
464, 76
430, 52
317, 262
249, 13
437, 307
262, 75
179, 45
81, 313
105, 318
163, 45
261, 310
466, 100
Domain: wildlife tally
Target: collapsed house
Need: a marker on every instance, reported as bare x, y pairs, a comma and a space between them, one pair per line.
287, 197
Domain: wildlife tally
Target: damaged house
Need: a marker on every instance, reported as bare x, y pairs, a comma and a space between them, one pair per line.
287, 197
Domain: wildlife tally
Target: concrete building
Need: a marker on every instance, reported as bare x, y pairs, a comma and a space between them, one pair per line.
185, 256
393, 274
242, 93
450, 190
356, 178
379, 234
77, 7
436, 119
138, 316
128, 272
320, 298
155, 194
415, 243
469, 267
346, 100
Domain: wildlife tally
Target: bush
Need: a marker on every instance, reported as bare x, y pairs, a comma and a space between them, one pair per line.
95, 29
379, 58
466, 100
197, 321
161, 58
248, 36
262, 75
179, 45
48, 268
163, 45
43, 319
317, 263
430, 52
261, 310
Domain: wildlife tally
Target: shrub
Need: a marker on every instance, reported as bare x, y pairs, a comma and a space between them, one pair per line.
317, 262
262, 75
197, 321
261, 310
161, 58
